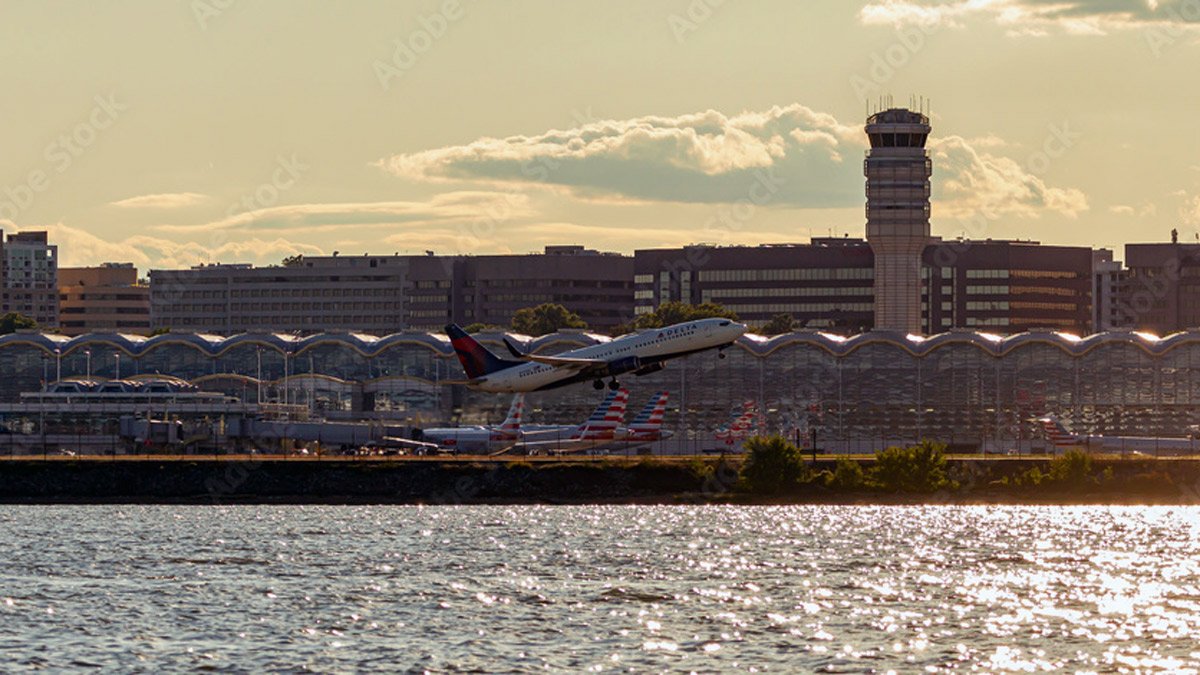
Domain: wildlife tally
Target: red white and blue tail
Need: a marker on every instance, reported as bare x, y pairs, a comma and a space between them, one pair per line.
511, 426
648, 423
607, 417
1057, 432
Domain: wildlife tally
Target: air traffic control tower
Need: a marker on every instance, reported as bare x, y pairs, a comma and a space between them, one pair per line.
898, 170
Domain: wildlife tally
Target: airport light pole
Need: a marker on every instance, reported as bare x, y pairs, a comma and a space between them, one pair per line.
117, 358
88, 354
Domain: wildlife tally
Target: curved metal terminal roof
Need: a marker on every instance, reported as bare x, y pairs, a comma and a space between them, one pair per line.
757, 345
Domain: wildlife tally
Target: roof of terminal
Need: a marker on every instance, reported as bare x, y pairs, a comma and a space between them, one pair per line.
760, 346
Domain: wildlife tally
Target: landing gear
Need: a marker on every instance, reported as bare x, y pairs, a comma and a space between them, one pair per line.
614, 385
720, 353
598, 385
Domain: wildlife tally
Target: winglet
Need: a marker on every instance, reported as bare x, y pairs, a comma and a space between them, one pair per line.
512, 349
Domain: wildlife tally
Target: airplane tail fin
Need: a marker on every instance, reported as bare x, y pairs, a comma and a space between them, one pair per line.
512, 423
607, 416
476, 360
1057, 432
650, 418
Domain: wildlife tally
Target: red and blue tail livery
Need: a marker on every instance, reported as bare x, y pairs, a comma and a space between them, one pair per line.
476, 360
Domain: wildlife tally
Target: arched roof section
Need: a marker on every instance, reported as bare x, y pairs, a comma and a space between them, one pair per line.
369, 345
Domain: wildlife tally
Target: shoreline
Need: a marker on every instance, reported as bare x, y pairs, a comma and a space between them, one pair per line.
515, 481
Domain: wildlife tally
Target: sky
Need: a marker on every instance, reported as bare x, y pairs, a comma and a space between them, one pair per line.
170, 133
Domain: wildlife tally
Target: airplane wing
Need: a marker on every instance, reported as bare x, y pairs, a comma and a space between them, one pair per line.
409, 443
568, 362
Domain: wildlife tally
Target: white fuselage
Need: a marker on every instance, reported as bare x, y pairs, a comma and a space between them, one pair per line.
1142, 444
470, 439
653, 345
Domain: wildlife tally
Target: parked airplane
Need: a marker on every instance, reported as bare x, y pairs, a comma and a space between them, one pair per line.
1062, 437
472, 439
739, 428
598, 429
647, 426
641, 354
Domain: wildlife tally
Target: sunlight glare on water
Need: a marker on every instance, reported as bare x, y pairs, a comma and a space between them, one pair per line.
351, 589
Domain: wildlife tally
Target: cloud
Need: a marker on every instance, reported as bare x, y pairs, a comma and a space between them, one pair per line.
1037, 18
788, 152
789, 156
78, 248
443, 209
165, 200
981, 182
1121, 209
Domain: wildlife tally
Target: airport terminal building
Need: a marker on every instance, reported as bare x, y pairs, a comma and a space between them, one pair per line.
972, 390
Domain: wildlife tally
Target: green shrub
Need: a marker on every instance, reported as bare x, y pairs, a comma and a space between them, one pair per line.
1073, 468
848, 475
700, 470
772, 464
920, 468
519, 465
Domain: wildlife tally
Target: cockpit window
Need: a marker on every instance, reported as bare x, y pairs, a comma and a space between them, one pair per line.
724, 323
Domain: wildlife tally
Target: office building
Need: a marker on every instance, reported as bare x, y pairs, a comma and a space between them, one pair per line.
379, 295
29, 277
104, 299
1162, 291
994, 285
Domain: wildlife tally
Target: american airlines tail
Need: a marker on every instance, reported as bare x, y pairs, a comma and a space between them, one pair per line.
512, 424
476, 360
607, 417
648, 422
1057, 432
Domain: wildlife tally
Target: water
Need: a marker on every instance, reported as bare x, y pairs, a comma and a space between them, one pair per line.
352, 589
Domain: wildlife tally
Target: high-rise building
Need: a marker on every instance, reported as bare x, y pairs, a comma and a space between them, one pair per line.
29, 277
104, 299
1108, 290
898, 168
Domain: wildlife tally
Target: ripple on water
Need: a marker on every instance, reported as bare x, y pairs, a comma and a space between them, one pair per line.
601, 588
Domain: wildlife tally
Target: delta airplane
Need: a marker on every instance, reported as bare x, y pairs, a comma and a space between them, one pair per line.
1063, 438
641, 354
